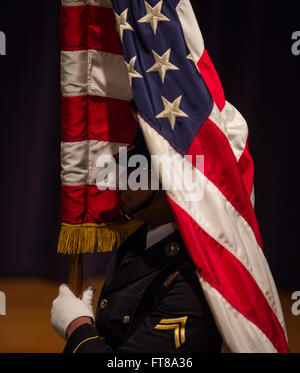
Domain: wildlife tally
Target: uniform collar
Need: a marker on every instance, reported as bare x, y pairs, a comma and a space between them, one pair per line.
132, 262
157, 234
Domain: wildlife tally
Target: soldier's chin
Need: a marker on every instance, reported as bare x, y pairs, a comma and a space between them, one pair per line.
125, 198
127, 209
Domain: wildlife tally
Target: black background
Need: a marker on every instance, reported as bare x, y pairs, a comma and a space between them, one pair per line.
250, 45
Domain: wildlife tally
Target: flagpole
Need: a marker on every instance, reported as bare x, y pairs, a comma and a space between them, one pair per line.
76, 273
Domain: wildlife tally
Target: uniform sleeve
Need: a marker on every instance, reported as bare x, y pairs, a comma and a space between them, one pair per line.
159, 332
179, 323
85, 339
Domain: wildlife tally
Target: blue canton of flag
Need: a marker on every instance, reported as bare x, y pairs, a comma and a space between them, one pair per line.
168, 89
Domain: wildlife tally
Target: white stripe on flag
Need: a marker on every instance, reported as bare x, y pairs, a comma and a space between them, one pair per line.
190, 28
103, 3
233, 125
252, 197
109, 76
95, 73
78, 160
74, 73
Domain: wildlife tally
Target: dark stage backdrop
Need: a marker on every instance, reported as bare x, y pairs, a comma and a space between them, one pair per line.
250, 45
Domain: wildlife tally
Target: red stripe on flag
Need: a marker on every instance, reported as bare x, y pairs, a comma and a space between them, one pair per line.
103, 35
89, 27
97, 118
74, 27
73, 204
111, 120
220, 167
103, 206
229, 277
74, 118
211, 79
246, 169
87, 204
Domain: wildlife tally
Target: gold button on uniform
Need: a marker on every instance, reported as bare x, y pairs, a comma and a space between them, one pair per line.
172, 248
126, 319
103, 303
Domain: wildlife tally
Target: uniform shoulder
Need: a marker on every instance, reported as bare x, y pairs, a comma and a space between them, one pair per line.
183, 293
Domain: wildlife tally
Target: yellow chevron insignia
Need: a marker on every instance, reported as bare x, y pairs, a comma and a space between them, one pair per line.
179, 328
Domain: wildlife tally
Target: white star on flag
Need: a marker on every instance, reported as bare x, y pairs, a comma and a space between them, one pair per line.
162, 64
122, 24
153, 15
172, 110
132, 73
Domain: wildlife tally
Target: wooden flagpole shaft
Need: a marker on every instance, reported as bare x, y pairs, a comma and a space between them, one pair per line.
76, 273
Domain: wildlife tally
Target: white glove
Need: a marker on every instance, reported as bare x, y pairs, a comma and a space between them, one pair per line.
67, 307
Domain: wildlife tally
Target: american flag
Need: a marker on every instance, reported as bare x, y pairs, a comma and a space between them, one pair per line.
164, 66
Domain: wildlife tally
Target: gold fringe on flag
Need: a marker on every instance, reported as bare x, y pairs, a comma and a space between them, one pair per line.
86, 238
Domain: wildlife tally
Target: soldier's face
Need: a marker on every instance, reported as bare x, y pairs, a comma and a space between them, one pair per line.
132, 199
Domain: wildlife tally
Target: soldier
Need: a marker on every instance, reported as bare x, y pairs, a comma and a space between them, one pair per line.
151, 300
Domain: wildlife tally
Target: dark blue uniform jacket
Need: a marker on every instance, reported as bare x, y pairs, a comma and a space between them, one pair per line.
151, 301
